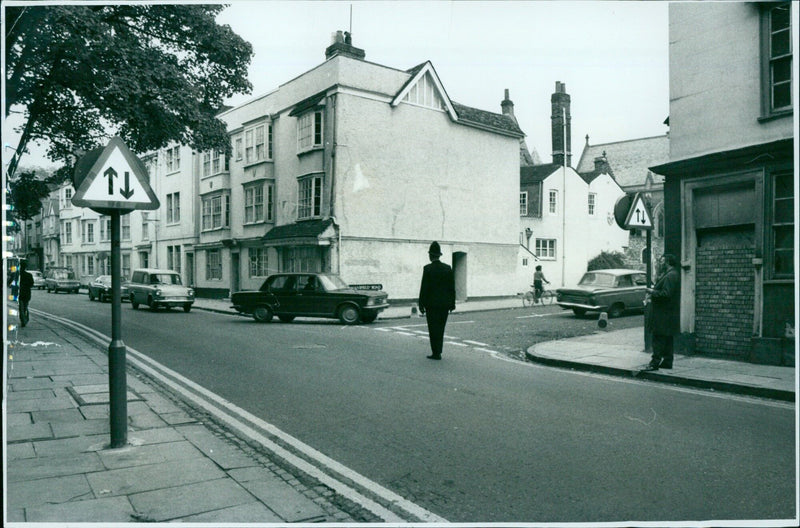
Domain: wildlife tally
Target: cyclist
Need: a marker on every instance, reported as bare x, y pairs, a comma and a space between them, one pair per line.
538, 282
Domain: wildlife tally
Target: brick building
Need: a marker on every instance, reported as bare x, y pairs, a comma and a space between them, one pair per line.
730, 181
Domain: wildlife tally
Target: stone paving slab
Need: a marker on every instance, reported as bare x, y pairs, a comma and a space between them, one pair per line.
31, 431
48, 467
252, 512
289, 504
54, 490
82, 427
111, 510
148, 454
181, 501
215, 448
68, 446
139, 479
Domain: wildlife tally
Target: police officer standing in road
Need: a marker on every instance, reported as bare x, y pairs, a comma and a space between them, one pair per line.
437, 298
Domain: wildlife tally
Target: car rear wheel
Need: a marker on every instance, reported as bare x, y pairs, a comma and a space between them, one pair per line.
286, 318
262, 314
187, 307
580, 312
348, 314
91, 295
616, 310
134, 304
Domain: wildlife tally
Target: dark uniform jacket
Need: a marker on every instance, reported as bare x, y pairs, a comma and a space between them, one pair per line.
666, 304
438, 288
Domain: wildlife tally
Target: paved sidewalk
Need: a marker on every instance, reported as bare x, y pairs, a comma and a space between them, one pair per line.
621, 352
60, 469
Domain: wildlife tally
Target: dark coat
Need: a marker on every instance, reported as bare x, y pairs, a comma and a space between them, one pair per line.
666, 304
25, 285
438, 288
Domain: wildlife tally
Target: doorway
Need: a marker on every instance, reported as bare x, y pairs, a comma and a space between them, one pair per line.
460, 274
190, 269
234, 272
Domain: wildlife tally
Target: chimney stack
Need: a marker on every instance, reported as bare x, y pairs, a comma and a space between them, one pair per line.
507, 105
559, 104
342, 44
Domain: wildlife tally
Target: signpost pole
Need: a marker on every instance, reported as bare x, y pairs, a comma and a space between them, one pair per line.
648, 332
117, 381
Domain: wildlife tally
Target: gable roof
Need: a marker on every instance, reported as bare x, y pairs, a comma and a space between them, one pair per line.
459, 113
537, 173
418, 72
629, 160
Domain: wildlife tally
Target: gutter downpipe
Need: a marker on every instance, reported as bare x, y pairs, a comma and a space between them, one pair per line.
564, 202
333, 188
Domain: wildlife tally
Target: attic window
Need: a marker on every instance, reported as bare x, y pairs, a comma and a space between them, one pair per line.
424, 93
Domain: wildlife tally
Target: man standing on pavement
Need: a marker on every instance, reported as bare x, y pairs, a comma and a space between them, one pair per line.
437, 298
665, 315
25, 285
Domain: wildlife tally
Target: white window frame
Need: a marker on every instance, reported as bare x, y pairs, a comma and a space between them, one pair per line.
592, 203
552, 207
125, 227
173, 159
174, 208
546, 248
105, 229
310, 131
258, 262
523, 203
214, 268
254, 204
309, 196
258, 143
214, 212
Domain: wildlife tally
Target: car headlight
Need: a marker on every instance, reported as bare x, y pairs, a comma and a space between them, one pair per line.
158, 292
190, 292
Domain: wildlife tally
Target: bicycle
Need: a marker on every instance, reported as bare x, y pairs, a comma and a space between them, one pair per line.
530, 298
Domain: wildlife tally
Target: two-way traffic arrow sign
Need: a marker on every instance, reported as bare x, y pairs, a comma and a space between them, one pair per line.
638, 216
103, 180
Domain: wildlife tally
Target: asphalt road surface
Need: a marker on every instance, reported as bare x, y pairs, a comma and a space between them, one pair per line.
479, 437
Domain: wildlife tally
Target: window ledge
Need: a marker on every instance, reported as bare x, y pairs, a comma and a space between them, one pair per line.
247, 165
310, 150
776, 115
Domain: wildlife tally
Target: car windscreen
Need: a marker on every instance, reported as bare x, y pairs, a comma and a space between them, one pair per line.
165, 278
63, 275
597, 279
332, 282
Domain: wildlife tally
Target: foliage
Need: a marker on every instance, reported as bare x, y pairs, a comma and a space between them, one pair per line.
150, 73
607, 260
26, 193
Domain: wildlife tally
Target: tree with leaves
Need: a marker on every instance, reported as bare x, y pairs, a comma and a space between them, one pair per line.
152, 74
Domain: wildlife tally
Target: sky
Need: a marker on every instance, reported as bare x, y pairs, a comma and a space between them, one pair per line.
613, 56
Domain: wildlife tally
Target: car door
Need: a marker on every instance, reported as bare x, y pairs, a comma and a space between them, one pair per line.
626, 293
283, 288
312, 299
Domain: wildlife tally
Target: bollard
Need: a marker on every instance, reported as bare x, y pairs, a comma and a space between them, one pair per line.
602, 321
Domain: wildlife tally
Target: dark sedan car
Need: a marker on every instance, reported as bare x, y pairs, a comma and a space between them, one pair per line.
612, 290
289, 295
100, 288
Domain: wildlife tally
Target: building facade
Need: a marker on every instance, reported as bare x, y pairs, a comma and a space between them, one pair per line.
730, 181
354, 168
629, 162
566, 218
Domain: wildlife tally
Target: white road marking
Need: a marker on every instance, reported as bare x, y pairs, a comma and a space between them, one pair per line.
455, 343
477, 343
539, 315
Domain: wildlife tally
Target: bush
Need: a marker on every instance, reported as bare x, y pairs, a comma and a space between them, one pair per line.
607, 260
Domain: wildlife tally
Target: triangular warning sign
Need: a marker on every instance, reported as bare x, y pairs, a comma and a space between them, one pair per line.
638, 216
114, 179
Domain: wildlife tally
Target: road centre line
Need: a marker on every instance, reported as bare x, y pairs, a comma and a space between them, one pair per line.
478, 343
338, 477
539, 315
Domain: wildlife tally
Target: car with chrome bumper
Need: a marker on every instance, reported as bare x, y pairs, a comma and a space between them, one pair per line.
326, 295
100, 289
159, 288
613, 291
61, 279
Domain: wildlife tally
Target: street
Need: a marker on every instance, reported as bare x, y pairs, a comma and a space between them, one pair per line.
478, 437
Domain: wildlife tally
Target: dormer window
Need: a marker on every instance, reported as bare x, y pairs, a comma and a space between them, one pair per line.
424, 93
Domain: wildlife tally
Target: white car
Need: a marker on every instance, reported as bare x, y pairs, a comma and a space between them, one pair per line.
38, 280
159, 287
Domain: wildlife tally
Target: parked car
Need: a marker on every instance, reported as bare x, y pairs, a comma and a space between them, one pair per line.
38, 280
61, 279
612, 290
157, 288
289, 295
100, 288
